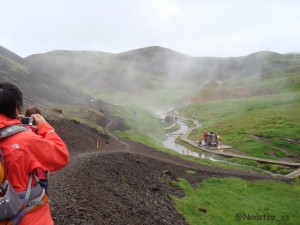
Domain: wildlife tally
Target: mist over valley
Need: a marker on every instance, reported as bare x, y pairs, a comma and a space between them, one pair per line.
160, 75
111, 110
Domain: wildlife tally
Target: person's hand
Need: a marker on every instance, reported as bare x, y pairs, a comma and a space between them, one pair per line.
20, 116
39, 119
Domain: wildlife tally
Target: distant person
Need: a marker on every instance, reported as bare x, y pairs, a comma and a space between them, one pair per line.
29, 112
205, 137
218, 136
218, 140
32, 110
213, 140
209, 138
26, 151
102, 111
41, 174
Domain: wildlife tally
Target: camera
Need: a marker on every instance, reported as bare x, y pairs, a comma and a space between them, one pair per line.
27, 121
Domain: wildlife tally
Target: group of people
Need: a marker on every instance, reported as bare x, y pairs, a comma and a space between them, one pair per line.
32, 151
211, 139
171, 119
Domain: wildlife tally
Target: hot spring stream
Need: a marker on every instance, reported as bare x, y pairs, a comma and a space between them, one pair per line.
169, 142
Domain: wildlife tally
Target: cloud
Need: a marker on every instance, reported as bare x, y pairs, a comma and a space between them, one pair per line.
194, 27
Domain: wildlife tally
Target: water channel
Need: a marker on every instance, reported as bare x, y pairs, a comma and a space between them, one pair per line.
169, 142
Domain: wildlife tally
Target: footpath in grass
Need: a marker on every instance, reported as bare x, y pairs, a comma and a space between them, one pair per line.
236, 201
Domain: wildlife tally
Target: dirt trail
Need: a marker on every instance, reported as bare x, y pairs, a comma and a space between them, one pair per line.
107, 128
122, 182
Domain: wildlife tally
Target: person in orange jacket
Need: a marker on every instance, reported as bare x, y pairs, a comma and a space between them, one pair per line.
26, 151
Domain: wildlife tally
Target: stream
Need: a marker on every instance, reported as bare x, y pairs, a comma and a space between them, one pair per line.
169, 142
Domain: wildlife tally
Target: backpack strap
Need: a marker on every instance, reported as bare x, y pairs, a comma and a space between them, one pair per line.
6, 132
31, 205
11, 130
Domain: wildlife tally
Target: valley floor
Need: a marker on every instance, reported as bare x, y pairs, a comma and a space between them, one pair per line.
121, 182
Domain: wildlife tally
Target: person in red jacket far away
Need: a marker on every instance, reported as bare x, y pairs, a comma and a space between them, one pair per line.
205, 137
27, 151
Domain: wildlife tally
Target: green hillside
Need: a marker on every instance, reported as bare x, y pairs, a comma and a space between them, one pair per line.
271, 82
37, 86
236, 201
262, 126
54, 98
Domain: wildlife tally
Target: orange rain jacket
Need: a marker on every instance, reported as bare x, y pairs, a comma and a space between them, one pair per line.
26, 151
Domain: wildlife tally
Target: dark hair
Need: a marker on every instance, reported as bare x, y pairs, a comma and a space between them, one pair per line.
11, 98
33, 110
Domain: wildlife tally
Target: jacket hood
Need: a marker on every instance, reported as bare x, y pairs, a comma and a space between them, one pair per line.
6, 121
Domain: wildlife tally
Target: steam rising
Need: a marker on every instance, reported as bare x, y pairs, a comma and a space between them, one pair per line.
160, 76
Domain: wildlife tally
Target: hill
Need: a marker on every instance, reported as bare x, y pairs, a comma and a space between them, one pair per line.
165, 62
147, 73
37, 87
56, 99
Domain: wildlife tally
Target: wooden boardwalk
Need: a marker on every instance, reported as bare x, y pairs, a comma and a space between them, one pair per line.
185, 136
296, 173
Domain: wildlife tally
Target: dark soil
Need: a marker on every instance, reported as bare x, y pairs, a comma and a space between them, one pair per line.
121, 182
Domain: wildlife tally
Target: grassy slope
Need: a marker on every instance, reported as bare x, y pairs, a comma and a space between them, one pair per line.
143, 128
161, 91
271, 117
221, 201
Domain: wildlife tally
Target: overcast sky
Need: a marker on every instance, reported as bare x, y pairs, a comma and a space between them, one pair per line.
220, 28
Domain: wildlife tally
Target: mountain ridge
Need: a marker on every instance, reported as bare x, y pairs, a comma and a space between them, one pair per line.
151, 68
158, 60
37, 86
150, 71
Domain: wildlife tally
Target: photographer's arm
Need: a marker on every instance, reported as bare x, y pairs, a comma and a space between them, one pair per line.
51, 144
39, 119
